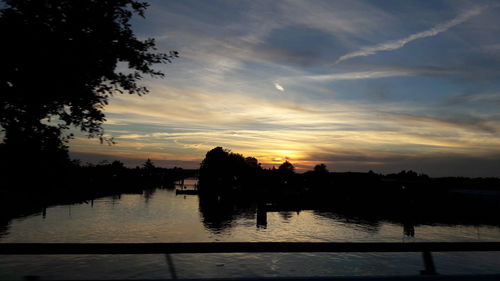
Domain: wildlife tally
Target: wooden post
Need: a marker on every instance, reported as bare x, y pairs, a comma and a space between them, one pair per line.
262, 215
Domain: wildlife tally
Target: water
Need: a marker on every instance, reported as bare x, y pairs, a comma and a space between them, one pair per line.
163, 216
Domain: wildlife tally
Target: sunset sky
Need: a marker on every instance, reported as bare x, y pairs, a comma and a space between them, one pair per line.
357, 85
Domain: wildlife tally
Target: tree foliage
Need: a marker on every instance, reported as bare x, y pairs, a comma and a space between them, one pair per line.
61, 61
286, 167
320, 169
222, 170
148, 165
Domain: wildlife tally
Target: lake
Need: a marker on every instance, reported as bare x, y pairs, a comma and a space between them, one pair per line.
162, 216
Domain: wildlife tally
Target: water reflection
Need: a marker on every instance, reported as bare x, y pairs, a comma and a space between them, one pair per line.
261, 217
286, 215
219, 215
409, 229
162, 216
367, 223
148, 194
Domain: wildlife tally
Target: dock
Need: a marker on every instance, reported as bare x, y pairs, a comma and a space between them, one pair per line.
186, 191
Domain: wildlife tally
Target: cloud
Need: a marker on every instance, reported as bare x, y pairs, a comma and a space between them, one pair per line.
222, 91
279, 87
335, 17
467, 122
394, 45
484, 99
436, 165
357, 75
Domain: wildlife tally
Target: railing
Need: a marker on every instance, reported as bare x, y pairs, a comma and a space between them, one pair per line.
426, 248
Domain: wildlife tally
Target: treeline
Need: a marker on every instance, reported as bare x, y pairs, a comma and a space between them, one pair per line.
104, 177
116, 177
28, 189
232, 176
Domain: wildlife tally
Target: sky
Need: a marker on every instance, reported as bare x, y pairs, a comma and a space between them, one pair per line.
356, 85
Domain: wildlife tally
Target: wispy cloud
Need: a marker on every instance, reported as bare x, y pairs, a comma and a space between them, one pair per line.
357, 75
302, 130
481, 98
394, 45
237, 60
279, 87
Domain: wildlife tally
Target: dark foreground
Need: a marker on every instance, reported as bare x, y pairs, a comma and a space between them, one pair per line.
429, 271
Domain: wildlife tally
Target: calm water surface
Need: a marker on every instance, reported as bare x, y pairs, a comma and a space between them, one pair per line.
163, 216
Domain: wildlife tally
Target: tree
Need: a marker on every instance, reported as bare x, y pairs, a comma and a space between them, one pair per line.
320, 169
252, 162
148, 165
219, 169
58, 68
286, 166
223, 171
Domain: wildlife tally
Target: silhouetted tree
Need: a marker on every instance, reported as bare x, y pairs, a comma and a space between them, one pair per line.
320, 169
286, 166
117, 165
288, 180
148, 165
58, 69
224, 172
319, 179
218, 171
252, 162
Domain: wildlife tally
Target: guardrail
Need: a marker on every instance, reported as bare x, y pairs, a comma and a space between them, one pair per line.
426, 248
